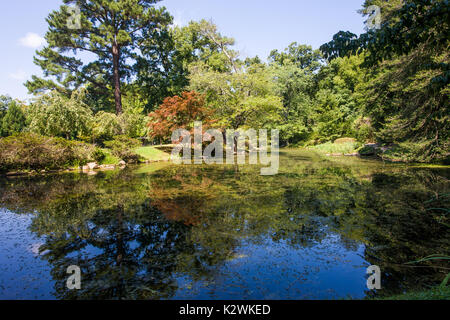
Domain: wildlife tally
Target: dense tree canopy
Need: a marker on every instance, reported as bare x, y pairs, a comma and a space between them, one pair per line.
55, 115
163, 70
242, 97
388, 85
338, 101
294, 71
408, 57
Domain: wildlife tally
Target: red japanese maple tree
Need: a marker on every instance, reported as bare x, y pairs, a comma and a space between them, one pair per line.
179, 112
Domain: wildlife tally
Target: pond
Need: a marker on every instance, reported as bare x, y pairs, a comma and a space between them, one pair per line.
163, 231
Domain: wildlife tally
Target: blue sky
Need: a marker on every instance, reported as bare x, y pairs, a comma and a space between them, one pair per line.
258, 27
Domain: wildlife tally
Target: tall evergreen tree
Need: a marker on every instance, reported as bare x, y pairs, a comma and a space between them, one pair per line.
110, 32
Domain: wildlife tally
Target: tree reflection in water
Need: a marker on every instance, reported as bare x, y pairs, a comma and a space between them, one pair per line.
133, 234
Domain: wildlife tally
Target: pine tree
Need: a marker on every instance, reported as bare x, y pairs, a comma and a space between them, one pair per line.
109, 31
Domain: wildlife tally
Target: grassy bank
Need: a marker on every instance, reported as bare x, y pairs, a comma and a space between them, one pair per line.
109, 159
402, 153
146, 154
152, 154
32, 153
330, 148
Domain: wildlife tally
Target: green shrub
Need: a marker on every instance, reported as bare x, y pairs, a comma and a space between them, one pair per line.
133, 125
106, 127
5, 101
14, 120
99, 155
57, 116
123, 146
364, 130
30, 151
407, 152
109, 158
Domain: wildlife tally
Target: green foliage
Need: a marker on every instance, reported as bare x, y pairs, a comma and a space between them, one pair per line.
387, 9
109, 158
14, 120
407, 107
388, 86
152, 154
408, 152
216, 51
407, 97
301, 56
134, 124
338, 102
110, 31
293, 71
123, 148
29, 151
133, 121
436, 293
57, 116
166, 72
405, 26
244, 99
336, 148
364, 129
99, 155
106, 126
4, 103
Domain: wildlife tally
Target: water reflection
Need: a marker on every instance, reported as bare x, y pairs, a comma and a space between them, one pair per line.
218, 232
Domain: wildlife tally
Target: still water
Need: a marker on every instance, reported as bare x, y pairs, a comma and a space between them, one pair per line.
224, 232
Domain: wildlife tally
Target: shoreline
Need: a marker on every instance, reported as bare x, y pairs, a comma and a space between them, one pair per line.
100, 168
95, 168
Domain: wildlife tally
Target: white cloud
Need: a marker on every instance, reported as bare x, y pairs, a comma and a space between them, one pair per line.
19, 75
32, 40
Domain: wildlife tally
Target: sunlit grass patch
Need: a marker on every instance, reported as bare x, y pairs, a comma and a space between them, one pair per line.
109, 158
336, 148
152, 154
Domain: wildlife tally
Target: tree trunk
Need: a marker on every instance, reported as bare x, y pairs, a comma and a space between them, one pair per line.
117, 92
